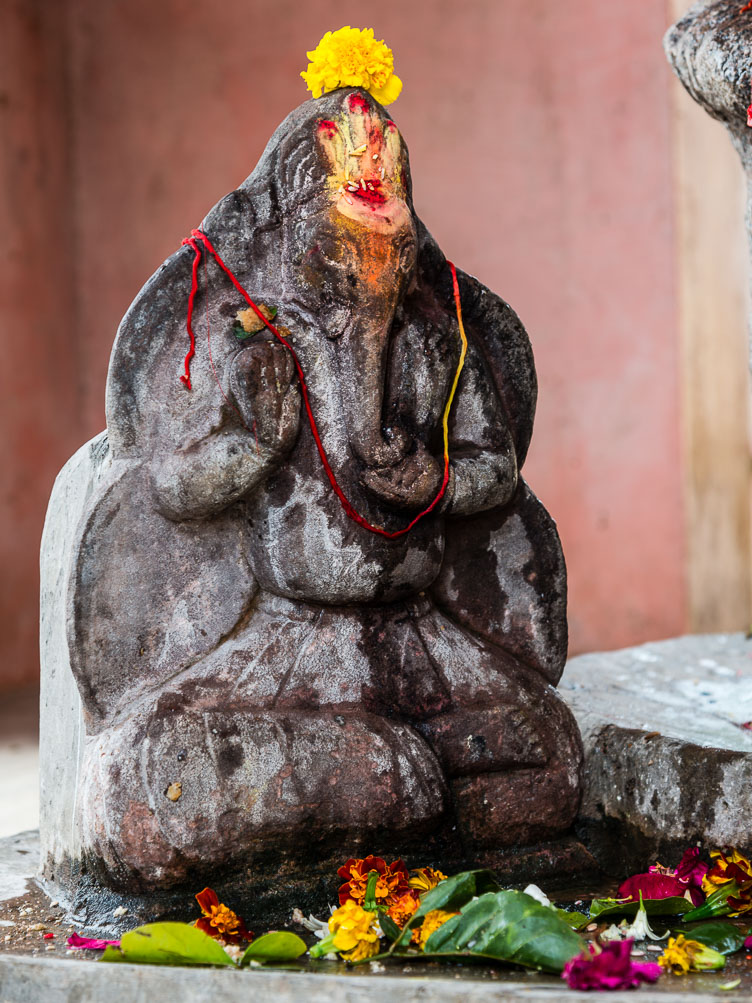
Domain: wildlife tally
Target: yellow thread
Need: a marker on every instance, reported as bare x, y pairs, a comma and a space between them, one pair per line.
460, 364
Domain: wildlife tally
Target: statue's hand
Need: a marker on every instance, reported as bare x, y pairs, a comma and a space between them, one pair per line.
412, 484
263, 385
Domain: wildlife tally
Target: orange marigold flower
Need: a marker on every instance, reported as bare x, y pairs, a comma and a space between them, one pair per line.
391, 883
432, 921
425, 878
402, 909
219, 921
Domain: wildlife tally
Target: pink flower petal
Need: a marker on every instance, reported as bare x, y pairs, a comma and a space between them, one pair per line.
78, 943
691, 868
652, 886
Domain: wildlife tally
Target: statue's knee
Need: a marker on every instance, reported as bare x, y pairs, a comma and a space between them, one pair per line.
237, 780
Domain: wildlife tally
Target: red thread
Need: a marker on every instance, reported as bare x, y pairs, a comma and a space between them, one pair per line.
193, 242
194, 286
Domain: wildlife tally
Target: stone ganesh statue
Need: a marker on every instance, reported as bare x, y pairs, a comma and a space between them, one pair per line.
264, 680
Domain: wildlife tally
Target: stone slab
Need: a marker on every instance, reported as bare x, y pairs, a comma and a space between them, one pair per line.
668, 761
27, 980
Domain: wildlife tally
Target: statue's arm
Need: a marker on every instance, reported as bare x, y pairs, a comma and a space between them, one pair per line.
232, 460
483, 463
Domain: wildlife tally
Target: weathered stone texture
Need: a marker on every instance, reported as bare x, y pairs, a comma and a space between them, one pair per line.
264, 682
668, 761
710, 50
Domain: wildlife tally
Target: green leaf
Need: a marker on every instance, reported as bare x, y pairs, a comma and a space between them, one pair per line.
715, 904
722, 937
574, 919
112, 953
277, 946
653, 907
168, 944
730, 985
390, 928
241, 334
508, 926
449, 895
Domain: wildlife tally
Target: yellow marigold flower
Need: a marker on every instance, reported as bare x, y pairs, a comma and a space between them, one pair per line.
682, 956
354, 929
425, 878
432, 921
352, 57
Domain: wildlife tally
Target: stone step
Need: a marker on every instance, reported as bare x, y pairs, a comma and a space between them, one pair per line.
668, 756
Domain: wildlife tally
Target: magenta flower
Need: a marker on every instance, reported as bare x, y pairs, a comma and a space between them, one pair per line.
78, 943
691, 869
663, 883
655, 886
609, 968
748, 943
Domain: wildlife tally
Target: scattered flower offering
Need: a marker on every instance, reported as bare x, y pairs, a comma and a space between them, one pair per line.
78, 943
732, 873
354, 934
388, 911
220, 922
682, 956
611, 967
391, 882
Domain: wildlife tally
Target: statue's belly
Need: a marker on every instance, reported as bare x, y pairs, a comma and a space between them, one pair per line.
304, 546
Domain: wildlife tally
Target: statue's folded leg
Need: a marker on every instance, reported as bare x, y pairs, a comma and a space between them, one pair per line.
233, 784
508, 745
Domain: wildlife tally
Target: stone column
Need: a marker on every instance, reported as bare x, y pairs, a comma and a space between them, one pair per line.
710, 50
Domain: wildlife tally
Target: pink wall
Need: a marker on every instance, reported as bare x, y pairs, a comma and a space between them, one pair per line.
540, 142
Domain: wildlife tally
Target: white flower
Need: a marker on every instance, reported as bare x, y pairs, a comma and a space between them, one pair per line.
319, 927
640, 929
612, 933
235, 951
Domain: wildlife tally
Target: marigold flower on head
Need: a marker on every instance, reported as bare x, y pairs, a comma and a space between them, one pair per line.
431, 922
731, 866
219, 921
355, 933
392, 881
403, 908
425, 878
681, 956
611, 967
351, 57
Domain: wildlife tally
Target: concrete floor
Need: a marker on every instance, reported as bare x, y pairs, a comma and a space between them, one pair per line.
19, 761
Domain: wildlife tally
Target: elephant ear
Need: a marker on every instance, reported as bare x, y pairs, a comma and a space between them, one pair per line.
504, 577
148, 597
148, 407
498, 333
